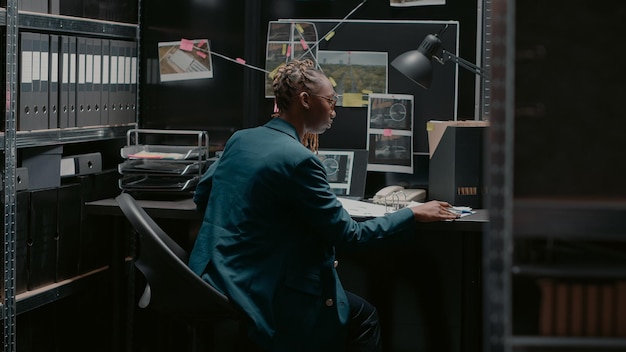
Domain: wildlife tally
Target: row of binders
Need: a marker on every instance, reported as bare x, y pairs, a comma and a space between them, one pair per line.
69, 81
586, 308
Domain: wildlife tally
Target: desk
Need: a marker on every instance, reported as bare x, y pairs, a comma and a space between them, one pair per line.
442, 268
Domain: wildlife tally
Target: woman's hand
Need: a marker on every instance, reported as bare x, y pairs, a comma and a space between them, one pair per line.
433, 210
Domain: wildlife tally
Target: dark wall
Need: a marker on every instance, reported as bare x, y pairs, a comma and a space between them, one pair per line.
569, 121
233, 98
213, 104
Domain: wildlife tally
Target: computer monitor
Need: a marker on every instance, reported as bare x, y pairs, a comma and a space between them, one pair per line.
346, 170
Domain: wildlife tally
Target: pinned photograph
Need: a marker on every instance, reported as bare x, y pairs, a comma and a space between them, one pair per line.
355, 74
185, 59
390, 133
287, 41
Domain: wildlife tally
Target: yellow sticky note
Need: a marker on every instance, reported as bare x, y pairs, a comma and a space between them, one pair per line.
284, 50
367, 91
329, 35
332, 81
352, 99
273, 73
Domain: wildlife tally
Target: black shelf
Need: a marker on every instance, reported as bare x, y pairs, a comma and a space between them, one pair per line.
34, 299
568, 342
76, 25
25, 139
562, 271
596, 219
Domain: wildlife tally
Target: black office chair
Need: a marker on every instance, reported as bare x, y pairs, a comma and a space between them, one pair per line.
171, 287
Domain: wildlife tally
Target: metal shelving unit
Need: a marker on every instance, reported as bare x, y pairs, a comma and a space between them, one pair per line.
521, 222
12, 140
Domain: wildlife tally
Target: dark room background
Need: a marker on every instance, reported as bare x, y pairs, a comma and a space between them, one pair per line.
233, 98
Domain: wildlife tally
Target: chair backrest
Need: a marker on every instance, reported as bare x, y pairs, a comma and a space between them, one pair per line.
173, 288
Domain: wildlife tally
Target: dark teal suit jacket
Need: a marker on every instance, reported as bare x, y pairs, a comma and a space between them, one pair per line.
269, 234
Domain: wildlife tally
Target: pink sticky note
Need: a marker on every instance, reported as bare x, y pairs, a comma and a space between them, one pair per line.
387, 132
304, 45
201, 54
186, 44
240, 60
288, 50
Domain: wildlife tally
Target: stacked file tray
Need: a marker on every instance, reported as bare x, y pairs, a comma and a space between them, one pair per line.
163, 162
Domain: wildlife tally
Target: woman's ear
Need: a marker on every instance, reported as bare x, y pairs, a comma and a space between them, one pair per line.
304, 99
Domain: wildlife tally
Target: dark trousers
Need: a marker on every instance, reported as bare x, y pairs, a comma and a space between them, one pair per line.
363, 326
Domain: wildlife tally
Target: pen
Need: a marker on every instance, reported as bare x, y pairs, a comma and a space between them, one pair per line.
459, 211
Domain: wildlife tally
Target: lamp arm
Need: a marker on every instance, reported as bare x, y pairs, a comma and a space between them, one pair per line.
465, 64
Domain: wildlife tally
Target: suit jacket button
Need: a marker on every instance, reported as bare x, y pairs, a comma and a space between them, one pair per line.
329, 302
336, 263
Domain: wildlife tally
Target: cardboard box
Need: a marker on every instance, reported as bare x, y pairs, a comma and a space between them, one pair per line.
456, 162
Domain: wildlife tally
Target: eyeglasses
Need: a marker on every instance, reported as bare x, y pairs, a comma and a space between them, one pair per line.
332, 101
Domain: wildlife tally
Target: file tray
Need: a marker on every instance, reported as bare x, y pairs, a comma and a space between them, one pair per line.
163, 152
144, 183
163, 161
161, 167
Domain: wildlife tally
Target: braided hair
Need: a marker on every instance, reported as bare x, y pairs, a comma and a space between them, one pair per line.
291, 79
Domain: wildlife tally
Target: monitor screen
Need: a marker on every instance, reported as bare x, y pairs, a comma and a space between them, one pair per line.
346, 170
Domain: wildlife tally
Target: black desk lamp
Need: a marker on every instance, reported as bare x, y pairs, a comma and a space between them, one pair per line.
417, 64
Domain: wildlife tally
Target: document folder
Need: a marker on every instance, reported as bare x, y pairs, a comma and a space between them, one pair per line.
44, 72
69, 205
114, 114
96, 88
104, 89
53, 83
22, 204
41, 238
73, 82
64, 90
83, 81
26, 119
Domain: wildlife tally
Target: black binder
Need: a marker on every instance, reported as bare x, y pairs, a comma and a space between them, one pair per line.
132, 115
128, 71
95, 233
42, 238
104, 92
64, 80
44, 76
114, 113
73, 71
26, 115
39, 121
54, 83
83, 83
96, 88
22, 204
69, 205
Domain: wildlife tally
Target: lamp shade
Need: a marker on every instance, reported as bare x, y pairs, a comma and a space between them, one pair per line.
417, 64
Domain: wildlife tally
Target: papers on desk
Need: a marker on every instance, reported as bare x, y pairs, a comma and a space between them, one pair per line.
462, 211
358, 208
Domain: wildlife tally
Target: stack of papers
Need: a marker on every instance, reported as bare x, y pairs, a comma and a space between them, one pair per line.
358, 208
